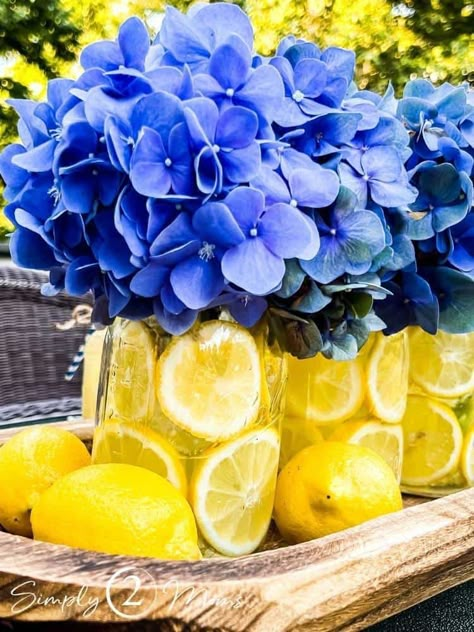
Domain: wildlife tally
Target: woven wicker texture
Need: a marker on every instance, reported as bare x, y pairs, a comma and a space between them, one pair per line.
34, 353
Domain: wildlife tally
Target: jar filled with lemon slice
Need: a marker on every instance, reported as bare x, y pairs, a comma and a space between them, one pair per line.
408, 396
203, 409
360, 401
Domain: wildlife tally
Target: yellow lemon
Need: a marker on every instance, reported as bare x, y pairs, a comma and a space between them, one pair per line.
385, 439
324, 391
467, 458
210, 379
138, 445
30, 462
442, 365
297, 434
332, 486
433, 441
387, 377
117, 508
131, 380
232, 491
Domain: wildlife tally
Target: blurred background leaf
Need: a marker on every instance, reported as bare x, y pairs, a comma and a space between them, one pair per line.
393, 40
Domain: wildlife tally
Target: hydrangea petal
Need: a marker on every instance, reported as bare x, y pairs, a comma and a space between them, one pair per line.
272, 186
149, 280
213, 21
241, 165
246, 206
237, 127
104, 54
315, 188
230, 63
310, 77
37, 159
248, 310
391, 194
197, 281
287, 233
29, 250
215, 223
251, 266
263, 92
174, 324
178, 34
134, 42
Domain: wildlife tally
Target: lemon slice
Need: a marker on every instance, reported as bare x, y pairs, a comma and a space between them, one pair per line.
387, 377
209, 380
117, 442
385, 439
297, 434
232, 491
131, 388
467, 458
432, 441
324, 391
442, 364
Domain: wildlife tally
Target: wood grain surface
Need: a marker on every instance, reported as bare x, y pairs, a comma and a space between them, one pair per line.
345, 581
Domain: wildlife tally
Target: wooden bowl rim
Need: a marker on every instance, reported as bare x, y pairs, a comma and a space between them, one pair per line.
77, 566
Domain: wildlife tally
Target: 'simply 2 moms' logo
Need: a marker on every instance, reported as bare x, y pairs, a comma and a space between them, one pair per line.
126, 595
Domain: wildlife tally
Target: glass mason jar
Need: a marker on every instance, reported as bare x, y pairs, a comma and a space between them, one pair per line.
408, 396
202, 409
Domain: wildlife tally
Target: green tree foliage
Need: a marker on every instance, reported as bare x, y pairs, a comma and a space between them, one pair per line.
38, 31
438, 20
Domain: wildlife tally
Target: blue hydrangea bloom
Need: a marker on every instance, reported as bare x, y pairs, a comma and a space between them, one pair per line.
188, 174
350, 239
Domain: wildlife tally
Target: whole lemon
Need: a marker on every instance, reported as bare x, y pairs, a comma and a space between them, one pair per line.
30, 462
117, 508
332, 486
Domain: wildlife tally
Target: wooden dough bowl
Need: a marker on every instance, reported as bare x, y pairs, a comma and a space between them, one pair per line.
345, 581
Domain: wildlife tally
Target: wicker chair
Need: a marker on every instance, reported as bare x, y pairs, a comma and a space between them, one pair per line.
34, 352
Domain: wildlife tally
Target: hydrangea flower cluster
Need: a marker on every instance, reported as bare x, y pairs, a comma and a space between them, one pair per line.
182, 175
437, 289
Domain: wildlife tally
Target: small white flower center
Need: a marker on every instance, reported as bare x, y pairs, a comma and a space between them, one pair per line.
91, 155
293, 203
216, 148
366, 177
332, 231
95, 172
253, 232
297, 96
168, 162
56, 133
179, 207
206, 252
230, 92
54, 193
